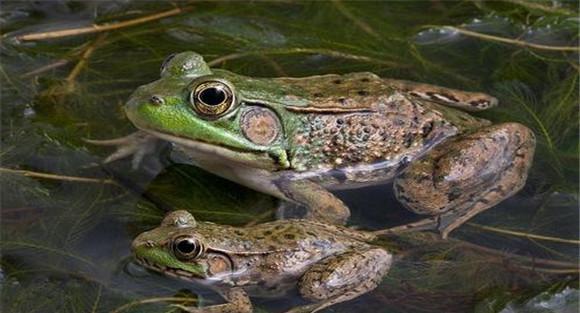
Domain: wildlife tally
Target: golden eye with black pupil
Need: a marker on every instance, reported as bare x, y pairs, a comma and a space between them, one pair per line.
212, 98
187, 248
167, 59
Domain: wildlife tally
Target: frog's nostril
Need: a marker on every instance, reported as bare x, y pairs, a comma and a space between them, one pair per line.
156, 100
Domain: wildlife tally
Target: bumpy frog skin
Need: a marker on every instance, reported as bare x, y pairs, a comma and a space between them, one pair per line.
298, 138
328, 264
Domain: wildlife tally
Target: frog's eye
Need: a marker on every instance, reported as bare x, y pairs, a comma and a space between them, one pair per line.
187, 248
212, 98
167, 60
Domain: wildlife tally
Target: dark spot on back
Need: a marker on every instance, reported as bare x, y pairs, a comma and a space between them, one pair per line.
432, 96
405, 199
337, 81
426, 129
423, 178
403, 163
400, 188
318, 95
365, 80
454, 194
289, 236
362, 93
450, 97
408, 140
339, 175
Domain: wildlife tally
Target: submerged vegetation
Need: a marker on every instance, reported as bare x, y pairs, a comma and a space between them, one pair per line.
68, 66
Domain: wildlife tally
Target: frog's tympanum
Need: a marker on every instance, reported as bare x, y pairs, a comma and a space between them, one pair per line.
298, 138
328, 264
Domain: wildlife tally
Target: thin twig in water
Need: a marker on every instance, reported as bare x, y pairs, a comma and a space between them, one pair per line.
322, 51
70, 79
522, 234
515, 42
152, 300
519, 257
358, 22
99, 28
45, 68
58, 177
539, 6
457, 243
552, 270
97, 299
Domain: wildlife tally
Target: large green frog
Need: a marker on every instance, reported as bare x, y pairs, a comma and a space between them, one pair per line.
328, 264
298, 138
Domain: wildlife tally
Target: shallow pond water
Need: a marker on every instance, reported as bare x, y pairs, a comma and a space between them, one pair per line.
67, 220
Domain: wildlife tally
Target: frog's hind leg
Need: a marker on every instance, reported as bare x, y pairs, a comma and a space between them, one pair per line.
465, 100
342, 277
464, 177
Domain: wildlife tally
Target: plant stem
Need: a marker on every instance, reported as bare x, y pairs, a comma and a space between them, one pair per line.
322, 51
99, 28
515, 42
152, 300
522, 234
58, 177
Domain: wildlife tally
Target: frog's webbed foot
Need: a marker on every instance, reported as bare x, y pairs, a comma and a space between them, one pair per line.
321, 204
138, 144
464, 177
342, 277
238, 302
465, 100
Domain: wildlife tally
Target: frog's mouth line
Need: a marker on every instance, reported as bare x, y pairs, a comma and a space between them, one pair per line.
167, 270
247, 157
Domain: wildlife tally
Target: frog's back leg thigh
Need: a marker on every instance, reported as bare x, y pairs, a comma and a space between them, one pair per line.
343, 277
461, 178
465, 100
320, 203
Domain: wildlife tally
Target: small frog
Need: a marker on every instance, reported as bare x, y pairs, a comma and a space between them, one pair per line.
328, 264
299, 138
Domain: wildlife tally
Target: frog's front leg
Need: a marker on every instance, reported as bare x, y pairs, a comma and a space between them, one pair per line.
138, 145
465, 100
342, 277
466, 176
237, 302
320, 203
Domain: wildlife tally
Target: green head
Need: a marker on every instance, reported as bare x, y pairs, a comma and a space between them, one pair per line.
240, 118
176, 248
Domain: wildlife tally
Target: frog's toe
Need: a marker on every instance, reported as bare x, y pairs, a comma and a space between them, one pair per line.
138, 145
